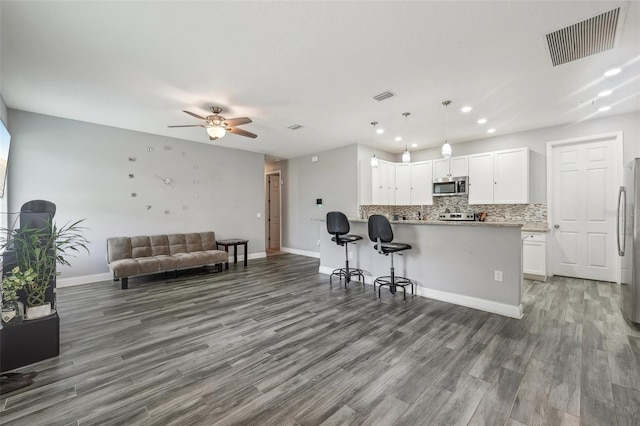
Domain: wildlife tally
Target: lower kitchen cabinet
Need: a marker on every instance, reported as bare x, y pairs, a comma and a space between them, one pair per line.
534, 255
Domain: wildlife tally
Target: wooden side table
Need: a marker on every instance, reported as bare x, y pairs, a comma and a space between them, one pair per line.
235, 243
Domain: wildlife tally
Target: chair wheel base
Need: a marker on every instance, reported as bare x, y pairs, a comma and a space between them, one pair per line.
347, 274
392, 283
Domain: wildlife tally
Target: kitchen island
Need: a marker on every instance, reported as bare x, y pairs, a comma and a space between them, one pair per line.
455, 262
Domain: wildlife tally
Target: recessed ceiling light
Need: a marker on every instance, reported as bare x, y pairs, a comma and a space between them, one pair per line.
605, 93
482, 121
466, 108
604, 108
380, 131
491, 130
413, 145
612, 71
398, 138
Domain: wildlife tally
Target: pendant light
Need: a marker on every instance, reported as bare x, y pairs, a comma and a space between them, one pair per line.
406, 155
446, 148
374, 159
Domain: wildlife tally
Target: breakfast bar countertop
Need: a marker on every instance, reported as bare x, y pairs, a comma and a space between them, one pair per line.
526, 226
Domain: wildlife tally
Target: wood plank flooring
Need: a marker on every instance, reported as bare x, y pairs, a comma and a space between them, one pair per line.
274, 344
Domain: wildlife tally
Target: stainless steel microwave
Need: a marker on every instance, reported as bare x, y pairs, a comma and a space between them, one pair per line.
449, 186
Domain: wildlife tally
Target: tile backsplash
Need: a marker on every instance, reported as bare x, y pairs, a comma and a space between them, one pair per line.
495, 212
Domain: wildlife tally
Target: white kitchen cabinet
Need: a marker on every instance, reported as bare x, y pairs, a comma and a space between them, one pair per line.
421, 183
534, 254
511, 176
499, 177
481, 181
403, 183
450, 167
383, 183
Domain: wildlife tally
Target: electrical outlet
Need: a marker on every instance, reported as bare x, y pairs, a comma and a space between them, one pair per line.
318, 243
350, 255
258, 215
497, 275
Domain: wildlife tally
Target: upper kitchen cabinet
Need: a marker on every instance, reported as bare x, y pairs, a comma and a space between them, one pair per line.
383, 183
403, 183
450, 167
421, 183
500, 177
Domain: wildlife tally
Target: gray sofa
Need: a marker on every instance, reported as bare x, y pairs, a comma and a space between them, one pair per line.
133, 256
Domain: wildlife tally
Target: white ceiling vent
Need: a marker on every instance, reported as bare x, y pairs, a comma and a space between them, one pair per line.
586, 38
382, 96
295, 127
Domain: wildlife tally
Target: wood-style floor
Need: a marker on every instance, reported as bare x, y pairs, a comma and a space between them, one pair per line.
274, 344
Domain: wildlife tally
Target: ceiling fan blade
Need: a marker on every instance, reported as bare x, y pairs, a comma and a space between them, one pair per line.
189, 125
194, 115
237, 121
241, 132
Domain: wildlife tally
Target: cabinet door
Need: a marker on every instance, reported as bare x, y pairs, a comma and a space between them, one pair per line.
511, 175
365, 185
481, 178
403, 183
458, 166
440, 168
422, 183
377, 180
391, 182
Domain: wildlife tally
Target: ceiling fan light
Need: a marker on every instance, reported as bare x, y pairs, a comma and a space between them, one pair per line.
406, 156
216, 132
446, 150
374, 162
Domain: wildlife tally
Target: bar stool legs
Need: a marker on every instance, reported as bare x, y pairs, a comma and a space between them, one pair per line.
393, 282
347, 272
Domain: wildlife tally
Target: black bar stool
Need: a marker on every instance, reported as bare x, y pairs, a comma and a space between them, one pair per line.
338, 226
380, 233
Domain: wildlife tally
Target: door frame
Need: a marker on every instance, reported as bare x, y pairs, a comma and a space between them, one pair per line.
618, 155
266, 202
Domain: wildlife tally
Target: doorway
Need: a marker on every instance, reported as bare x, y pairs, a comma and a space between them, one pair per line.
273, 208
583, 176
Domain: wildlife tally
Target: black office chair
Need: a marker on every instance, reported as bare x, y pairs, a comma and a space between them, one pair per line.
380, 233
338, 226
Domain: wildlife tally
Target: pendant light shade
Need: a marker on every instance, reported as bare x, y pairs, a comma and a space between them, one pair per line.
406, 155
446, 148
374, 159
216, 132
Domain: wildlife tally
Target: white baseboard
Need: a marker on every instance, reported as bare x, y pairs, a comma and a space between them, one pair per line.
250, 256
510, 311
85, 279
301, 252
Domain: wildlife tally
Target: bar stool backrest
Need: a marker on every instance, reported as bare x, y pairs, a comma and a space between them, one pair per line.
337, 223
380, 229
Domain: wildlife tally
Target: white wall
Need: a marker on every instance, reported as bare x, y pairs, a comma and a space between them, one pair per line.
84, 169
537, 139
333, 178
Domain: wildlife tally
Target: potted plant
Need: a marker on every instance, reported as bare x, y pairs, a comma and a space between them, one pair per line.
40, 250
13, 282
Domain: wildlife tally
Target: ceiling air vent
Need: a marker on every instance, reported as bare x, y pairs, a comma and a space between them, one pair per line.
295, 127
583, 39
382, 96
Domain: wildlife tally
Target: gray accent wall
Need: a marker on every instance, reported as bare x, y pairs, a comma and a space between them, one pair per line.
333, 178
84, 168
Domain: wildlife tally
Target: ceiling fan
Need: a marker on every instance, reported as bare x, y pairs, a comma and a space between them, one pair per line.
217, 126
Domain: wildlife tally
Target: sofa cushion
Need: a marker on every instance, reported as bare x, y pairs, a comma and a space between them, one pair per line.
217, 256
193, 242
148, 264
188, 260
167, 263
177, 243
124, 268
159, 245
118, 248
140, 247
208, 240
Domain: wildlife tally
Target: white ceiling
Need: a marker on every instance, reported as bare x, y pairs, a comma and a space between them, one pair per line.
137, 64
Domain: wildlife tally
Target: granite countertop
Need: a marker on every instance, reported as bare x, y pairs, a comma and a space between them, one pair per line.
526, 226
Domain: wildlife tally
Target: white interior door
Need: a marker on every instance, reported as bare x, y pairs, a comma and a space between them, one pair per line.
274, 212
584, 182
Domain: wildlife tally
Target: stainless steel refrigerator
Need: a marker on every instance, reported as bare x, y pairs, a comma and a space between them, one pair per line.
628, 236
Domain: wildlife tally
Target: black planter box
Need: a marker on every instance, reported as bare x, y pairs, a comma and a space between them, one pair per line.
29, 342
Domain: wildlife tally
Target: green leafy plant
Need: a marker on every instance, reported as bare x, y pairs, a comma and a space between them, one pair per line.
15, 281
41, 249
